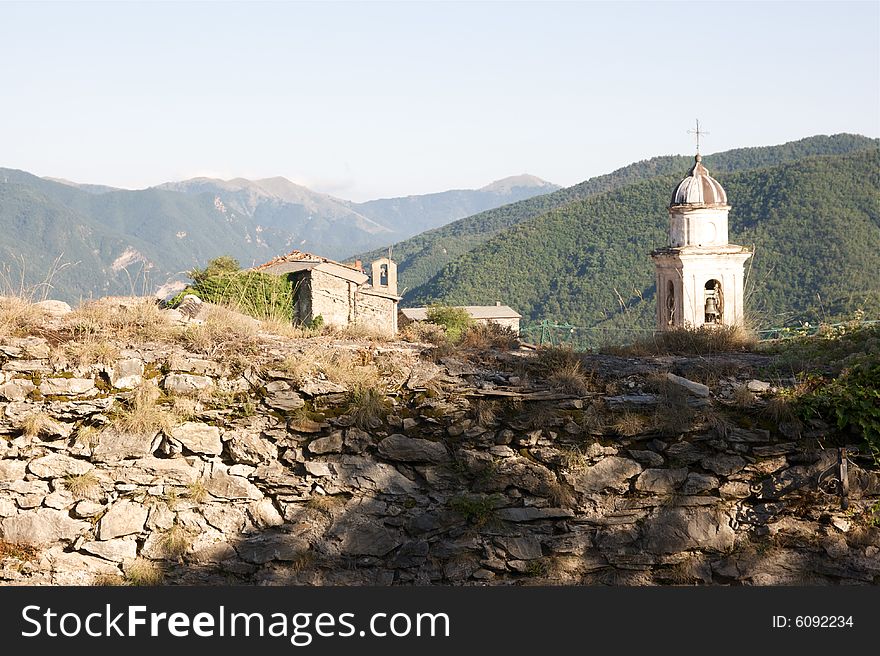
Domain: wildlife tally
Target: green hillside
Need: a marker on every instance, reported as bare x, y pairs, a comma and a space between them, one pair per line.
422, 256
814, 225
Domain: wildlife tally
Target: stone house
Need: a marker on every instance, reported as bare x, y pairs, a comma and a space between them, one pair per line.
500, 314
340, 294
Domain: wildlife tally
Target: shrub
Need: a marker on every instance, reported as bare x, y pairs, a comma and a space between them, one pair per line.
424, 332
19, 317
260, 295
478, 510
693, 341
367, 406
490, 335
141, 413
455, 320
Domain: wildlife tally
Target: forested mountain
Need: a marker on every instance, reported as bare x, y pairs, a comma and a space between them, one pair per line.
814, 225
422, 256
120, 242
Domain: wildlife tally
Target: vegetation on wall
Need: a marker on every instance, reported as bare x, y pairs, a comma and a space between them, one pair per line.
260, 295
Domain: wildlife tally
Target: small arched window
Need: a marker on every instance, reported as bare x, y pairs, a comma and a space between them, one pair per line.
670, 303
383, 275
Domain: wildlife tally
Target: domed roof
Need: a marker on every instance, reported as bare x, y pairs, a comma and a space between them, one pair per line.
699, 188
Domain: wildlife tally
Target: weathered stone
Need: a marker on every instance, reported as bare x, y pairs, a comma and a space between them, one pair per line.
57, 465
686, 453
647, 458
123, 518
530, 514
150, 470
59, 499
116, 550
226, 518
522, 548
7, 508
86, 508
79, 569
12, 470
697, 389
198, 366
56, 309
312, 386
27, 366
406, 449
612, 473
697, 483
364, 536
357, 440
67, 386
661, 481
330, 444
670, 530
367, 474
250, 449
43, 526
723, 464
305, 425
127, 374
187, 383
113, 446
199, 437
284, 401
264, 514
264, 548
758, 386
224, 486
318, 469
734, 490
17, 389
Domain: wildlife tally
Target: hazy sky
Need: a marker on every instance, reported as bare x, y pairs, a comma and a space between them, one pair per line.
372, 99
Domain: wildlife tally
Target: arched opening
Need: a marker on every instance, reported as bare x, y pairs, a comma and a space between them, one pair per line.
670, 303
713, 303
383, 275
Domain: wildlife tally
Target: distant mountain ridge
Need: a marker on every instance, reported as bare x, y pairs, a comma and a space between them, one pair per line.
134, 241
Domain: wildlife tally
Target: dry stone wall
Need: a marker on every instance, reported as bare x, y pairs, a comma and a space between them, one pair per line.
270, 479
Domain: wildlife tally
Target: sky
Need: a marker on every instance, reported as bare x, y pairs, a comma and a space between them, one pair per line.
367, 99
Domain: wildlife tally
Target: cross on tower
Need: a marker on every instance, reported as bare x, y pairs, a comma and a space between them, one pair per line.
698, 132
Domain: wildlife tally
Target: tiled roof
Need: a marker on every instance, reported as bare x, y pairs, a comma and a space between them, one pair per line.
475, 311
302, 256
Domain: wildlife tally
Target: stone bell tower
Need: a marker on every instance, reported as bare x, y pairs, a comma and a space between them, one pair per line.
699, 275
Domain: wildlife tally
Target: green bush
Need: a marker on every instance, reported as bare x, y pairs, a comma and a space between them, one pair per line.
260, 295
852, 399
455, 320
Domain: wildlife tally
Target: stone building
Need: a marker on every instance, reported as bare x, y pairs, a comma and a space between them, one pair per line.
500, 314
340, 294
699, 275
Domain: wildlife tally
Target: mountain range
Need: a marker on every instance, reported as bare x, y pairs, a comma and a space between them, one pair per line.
115, 241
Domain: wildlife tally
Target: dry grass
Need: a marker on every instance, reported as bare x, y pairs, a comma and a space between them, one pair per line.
18, 551
197, 492
423, 332
485, 336
19, 317
485, 412
87, 436
176, 541
36, 424
742, 397
704, 340
224, 332
122, 319
326, 503
142, 414
90, 350
367, 406
629, 424
184, 408
82, 486
673, 415
574, 461
107, 580
571, 379
142, 572
357, 331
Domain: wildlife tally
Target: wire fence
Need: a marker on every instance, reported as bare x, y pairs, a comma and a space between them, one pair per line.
583, 338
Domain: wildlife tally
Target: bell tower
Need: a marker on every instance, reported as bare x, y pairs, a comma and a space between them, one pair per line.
699, 275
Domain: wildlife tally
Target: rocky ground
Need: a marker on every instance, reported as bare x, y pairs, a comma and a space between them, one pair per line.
240, 456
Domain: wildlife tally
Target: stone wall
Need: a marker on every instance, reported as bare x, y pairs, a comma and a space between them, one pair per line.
376, 310
271, 479
332, 298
